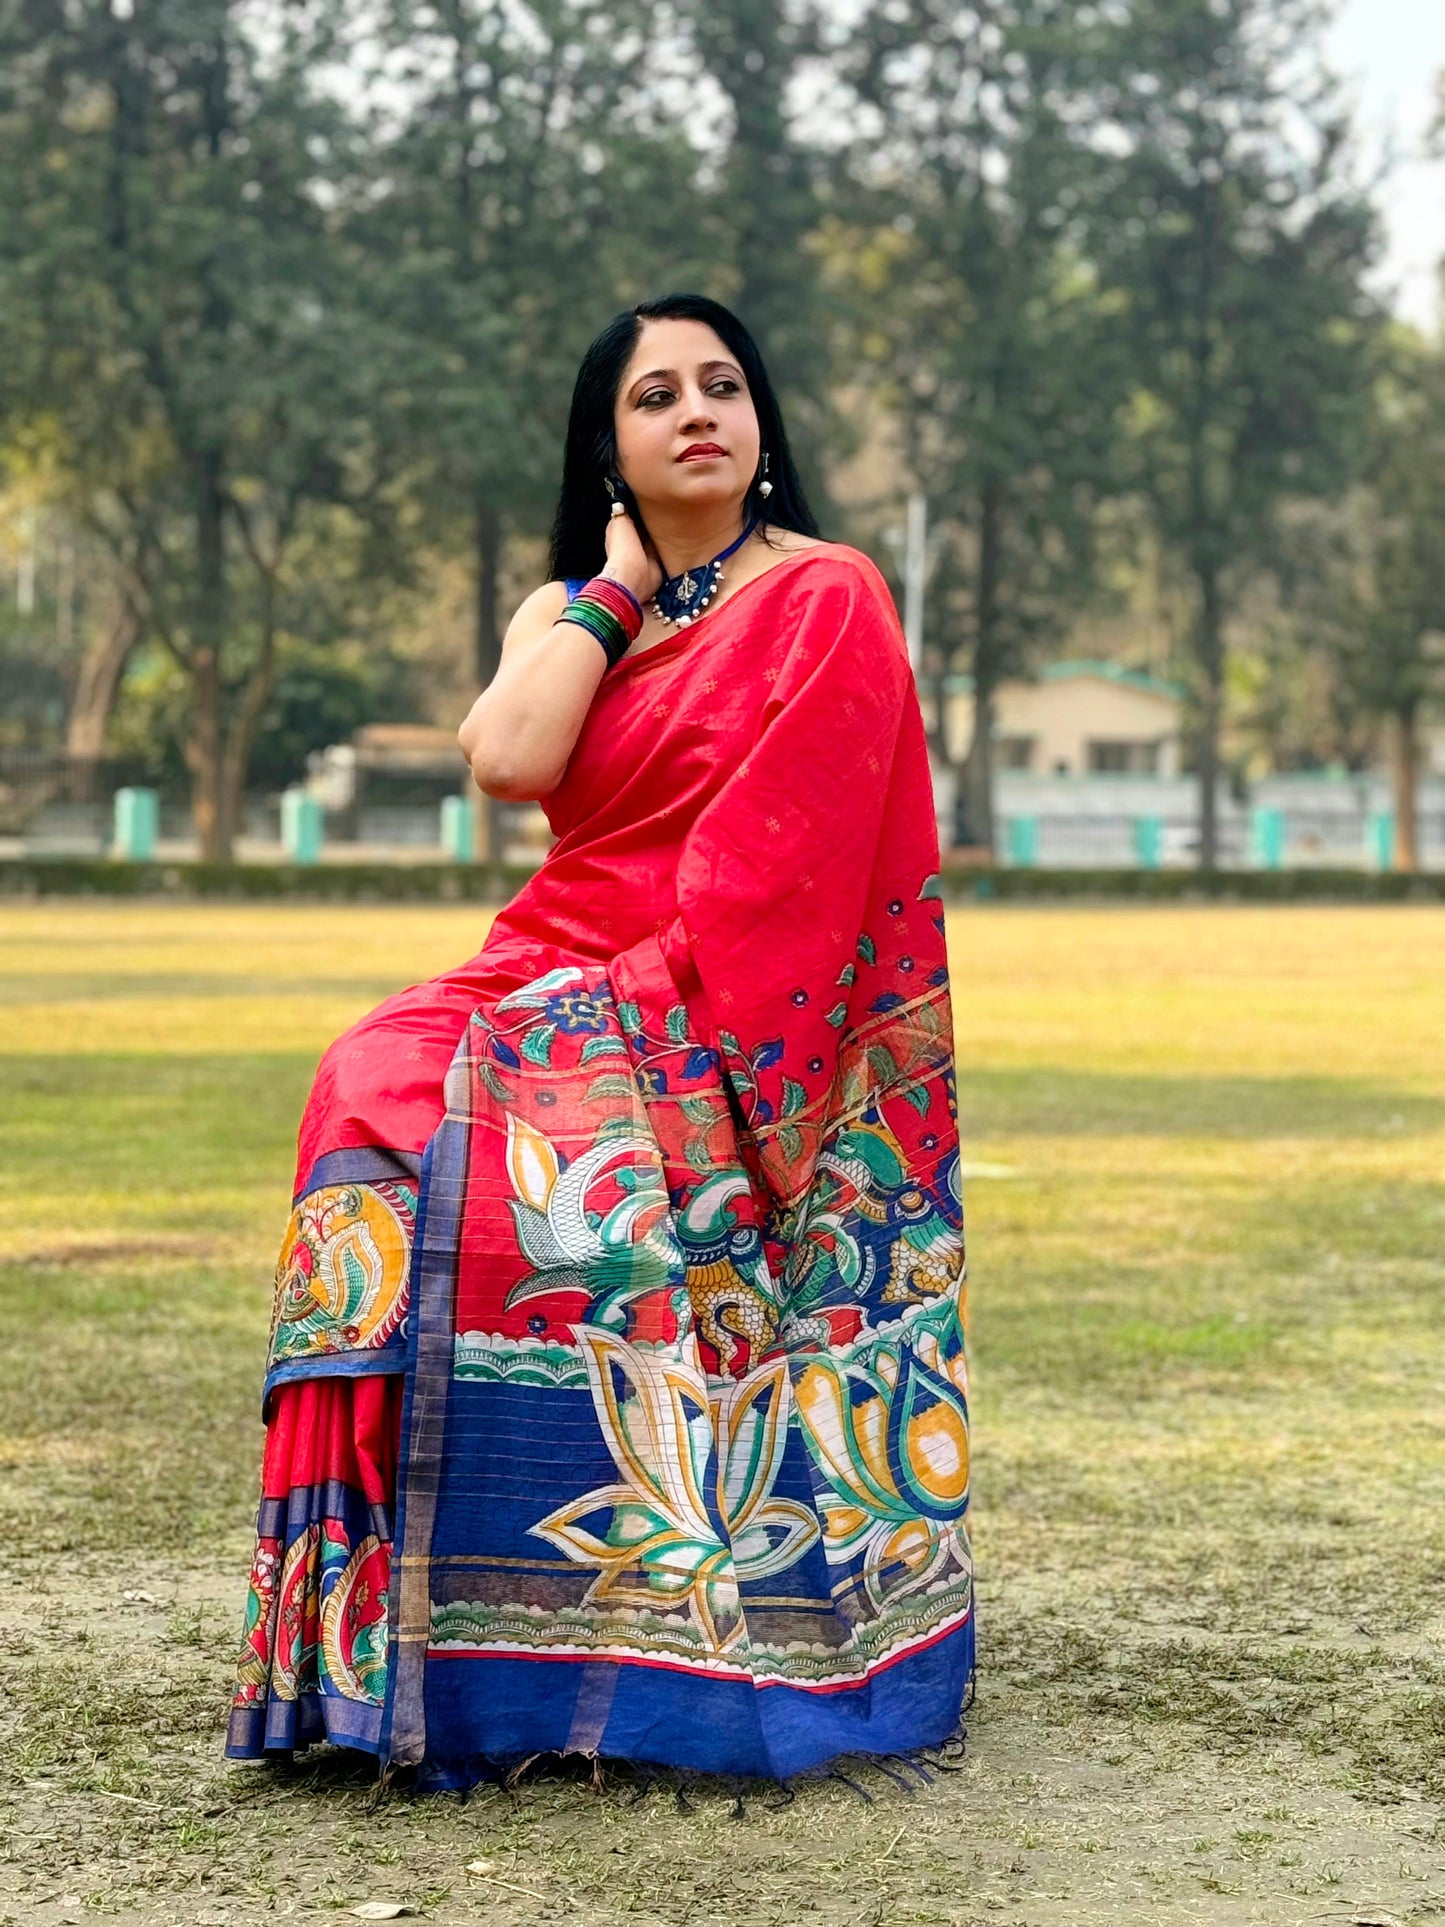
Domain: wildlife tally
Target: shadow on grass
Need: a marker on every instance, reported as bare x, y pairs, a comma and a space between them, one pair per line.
71, 987
1271, 1285
1055, 1102
170, 1128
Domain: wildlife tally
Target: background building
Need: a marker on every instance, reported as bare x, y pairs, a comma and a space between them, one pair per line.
1076, 719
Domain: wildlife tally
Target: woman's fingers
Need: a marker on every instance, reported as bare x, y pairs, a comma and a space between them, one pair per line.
627, 553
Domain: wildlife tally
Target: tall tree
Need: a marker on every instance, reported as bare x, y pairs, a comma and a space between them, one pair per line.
989, 330
1237, 238
527, 184
1369, 577
528, 176
183, 321
760, 199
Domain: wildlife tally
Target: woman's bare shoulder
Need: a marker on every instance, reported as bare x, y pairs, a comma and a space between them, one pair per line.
787, 540
535, 615
857, 560
790, 541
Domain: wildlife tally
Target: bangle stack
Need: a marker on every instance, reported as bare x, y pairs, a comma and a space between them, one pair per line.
608, 610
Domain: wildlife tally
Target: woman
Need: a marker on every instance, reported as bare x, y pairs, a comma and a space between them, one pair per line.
616, 1397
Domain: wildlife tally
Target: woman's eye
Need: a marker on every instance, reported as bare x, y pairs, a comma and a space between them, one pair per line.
724, 382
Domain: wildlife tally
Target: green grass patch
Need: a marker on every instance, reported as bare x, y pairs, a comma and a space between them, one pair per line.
1206, 1279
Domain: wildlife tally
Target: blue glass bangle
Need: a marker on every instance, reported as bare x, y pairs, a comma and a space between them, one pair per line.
602, 624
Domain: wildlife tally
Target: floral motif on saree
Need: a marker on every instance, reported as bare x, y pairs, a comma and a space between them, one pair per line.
341, 1280
684, 1462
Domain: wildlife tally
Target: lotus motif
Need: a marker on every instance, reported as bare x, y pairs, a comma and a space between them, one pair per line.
692, 1512
890, 1440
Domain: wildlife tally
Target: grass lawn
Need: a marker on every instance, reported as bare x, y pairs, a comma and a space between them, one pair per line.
1207, 1238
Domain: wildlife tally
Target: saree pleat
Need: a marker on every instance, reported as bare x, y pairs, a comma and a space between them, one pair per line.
313, 1665
617, 1396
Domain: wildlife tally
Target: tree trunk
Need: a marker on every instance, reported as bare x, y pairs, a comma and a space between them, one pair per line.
490, 811
489, 567
1405, 769
976, 777
941, 753
935, 718
204, 747
203, 757
101, 668
1209, 653
978, 766
236, 756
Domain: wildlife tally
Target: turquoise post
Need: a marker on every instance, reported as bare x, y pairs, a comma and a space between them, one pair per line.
1021, 841
1149, 841
1268, 836
1380, 839
301, 826
459, 829
137, 824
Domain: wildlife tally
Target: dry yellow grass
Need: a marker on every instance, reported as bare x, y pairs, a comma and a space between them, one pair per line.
1207, 1279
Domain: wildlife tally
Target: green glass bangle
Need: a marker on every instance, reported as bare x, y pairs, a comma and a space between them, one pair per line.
601, 623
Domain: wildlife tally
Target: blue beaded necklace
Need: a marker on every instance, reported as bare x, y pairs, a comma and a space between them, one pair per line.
680, 599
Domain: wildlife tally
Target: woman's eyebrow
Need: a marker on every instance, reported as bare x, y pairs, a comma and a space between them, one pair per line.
670, 374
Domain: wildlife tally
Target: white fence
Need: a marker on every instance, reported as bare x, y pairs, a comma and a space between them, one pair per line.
1043, 822
1149, 823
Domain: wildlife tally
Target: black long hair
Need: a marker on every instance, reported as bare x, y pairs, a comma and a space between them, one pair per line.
579, 545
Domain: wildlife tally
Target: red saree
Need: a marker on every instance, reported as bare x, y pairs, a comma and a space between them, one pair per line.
616, 1396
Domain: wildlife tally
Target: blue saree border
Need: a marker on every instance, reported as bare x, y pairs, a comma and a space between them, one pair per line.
360, 1164
313, 1714
385, 1362
286, 1726
477, 1713
429, 1358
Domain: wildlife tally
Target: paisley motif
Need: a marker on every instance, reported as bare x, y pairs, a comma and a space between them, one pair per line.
353, 1624
298, 1616
341, 1280
253, 1669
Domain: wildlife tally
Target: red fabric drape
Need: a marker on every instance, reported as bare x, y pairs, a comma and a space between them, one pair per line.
691, 1134
334, 1428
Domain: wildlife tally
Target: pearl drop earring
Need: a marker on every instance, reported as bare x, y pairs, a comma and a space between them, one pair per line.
765, 487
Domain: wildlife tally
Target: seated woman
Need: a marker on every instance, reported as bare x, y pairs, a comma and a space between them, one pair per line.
616, 1399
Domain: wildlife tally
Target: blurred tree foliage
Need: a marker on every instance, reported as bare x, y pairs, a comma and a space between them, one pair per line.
185, 332
294, 301
321, 694
1366, 574
989, 336
1237, 238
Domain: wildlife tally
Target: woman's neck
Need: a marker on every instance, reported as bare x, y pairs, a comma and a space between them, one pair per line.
687, 539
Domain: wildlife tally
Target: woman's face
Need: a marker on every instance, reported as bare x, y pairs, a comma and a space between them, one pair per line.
682, 387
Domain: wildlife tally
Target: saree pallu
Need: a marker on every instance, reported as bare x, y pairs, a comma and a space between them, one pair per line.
617, 1400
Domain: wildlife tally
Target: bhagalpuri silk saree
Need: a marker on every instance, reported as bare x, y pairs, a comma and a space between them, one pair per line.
616, 1395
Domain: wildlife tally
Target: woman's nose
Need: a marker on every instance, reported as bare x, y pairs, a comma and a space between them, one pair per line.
699, 412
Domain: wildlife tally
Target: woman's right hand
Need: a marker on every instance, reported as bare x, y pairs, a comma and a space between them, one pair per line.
629, 560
